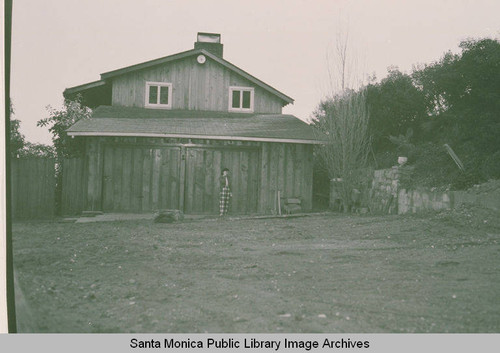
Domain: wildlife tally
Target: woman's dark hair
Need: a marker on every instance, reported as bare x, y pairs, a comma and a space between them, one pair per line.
224, 170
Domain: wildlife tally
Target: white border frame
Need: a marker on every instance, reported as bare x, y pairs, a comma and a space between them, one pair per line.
241, 89
158, 105
4, 320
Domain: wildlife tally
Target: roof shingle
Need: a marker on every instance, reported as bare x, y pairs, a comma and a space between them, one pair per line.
128, 121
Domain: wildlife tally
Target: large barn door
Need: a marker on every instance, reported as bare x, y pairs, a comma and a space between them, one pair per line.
203, 167
140, 179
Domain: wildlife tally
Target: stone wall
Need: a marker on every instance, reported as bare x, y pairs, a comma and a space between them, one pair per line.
413, 201
384, 192
387, 197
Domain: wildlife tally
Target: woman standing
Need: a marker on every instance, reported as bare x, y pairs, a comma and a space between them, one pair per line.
225, 193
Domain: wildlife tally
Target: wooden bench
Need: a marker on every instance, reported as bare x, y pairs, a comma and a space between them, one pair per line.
291, 205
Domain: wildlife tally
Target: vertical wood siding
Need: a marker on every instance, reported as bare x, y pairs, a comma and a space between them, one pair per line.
195, 87
74, 187
33, 188
203, 168
140, 179
141, 176
287, 168
93, 170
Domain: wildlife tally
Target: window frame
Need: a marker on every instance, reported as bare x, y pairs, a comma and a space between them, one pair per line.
158, 105
241, 89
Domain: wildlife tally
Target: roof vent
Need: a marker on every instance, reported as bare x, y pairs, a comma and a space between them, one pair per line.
210, 42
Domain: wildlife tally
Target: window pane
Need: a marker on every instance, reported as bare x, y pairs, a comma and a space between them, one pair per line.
164, 95
236, 99
153, 94
246, 99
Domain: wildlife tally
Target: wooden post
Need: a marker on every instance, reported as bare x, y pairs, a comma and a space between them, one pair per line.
279, 203
91, 173
275, 197
182, 175
264, 179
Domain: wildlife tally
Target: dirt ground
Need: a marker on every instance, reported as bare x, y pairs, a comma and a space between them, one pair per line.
321, 273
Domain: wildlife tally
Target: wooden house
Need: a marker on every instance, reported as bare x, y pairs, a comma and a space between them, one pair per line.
162, 131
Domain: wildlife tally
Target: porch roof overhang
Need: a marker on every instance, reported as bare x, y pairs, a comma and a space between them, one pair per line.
140, 122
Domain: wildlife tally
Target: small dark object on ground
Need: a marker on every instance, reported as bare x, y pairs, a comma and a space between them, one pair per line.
363, 210
168, 216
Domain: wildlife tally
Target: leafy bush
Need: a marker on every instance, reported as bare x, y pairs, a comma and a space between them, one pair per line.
60, 120
454, 101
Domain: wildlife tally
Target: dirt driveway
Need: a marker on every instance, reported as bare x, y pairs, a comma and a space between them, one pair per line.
325, 273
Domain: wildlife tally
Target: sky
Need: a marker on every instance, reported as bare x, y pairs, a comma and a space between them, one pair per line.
290, 45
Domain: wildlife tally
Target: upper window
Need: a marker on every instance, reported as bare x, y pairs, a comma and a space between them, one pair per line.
241, 99
158, 95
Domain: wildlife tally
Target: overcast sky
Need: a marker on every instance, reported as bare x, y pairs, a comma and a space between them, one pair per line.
63, 43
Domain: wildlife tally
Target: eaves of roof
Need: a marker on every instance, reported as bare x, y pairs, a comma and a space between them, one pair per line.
85, 86
140, 122
150, 63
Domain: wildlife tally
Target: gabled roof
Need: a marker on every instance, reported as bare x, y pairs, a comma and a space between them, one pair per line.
85, 86
105, 77
94, 93
140, 122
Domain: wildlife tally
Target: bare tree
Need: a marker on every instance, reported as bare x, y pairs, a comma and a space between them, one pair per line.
343, 65
343, 121
342, 118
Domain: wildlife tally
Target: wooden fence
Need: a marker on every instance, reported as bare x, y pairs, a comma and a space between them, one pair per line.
74, 191
33, 188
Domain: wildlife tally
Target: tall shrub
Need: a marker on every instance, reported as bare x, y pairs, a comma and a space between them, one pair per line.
344, 119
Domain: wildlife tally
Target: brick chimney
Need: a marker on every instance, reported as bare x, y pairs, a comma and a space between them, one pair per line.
210, 42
